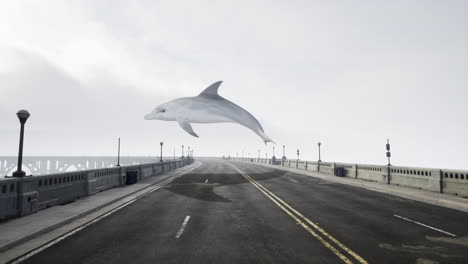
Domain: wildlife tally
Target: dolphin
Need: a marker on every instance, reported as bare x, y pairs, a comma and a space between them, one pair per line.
207, 107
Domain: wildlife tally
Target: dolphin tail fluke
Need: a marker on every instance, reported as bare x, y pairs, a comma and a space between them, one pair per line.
266, 138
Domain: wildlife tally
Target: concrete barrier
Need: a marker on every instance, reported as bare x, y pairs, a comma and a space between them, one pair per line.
23, 196
371, 173
454, 182
421, 178
437, 180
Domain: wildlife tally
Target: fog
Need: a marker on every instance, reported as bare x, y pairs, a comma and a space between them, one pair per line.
349, 75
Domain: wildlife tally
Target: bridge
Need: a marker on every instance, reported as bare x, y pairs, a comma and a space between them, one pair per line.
238, 211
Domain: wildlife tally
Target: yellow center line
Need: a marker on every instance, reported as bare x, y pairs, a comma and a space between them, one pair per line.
284, 205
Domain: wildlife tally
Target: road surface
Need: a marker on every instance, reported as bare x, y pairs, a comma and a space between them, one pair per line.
235, 212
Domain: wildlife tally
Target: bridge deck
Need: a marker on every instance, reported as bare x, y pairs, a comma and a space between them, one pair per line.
251, 214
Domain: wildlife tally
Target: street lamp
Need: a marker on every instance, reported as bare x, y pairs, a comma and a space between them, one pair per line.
22, 116
319, 144
118, 155
161, 160
182, 151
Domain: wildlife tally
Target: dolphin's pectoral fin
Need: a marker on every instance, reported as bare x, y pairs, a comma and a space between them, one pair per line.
185, 125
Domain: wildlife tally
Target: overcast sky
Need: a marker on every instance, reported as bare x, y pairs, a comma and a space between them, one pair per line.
349, 74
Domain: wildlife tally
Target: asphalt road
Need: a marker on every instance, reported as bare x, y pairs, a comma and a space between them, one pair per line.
218, 213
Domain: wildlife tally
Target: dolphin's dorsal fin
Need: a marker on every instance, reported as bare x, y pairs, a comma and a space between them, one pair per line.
211, 90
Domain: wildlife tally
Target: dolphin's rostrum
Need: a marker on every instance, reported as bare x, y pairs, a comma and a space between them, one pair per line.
207, 107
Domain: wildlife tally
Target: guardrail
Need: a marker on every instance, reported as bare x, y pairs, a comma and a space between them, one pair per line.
23, 196
437, 180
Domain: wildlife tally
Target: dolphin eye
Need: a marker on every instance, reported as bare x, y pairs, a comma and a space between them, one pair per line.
162, 111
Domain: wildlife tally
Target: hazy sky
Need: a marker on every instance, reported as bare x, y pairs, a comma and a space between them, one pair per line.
347, 73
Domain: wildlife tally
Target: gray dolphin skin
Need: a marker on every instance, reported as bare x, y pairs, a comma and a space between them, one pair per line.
207, 107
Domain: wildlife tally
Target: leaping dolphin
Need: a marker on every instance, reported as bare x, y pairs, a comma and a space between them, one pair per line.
207, 107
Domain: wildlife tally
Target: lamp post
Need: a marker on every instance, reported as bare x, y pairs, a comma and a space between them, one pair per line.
319, 144
22, 116
161, 159
182, 151
284, 156
118, 154
297, 154
388, 152
188, 151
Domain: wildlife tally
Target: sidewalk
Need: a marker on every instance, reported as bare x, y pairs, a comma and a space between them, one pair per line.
19, 230
440, 199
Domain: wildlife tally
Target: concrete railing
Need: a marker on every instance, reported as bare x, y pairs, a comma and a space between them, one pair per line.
438, 180
23, 196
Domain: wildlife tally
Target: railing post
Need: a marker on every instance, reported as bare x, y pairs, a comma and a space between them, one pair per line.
388, 174
441, 181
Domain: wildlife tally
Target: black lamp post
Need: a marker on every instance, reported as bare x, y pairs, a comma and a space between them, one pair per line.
161, 160
388, 152
319, 144
118, 155
22, 116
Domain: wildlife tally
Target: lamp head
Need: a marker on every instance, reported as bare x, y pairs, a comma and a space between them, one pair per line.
22, 116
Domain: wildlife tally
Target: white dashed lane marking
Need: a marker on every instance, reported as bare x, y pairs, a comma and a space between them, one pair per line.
182, 228
428, 226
